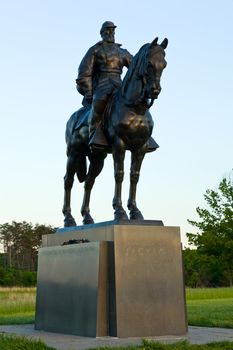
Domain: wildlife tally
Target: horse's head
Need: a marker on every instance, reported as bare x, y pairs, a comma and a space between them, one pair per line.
153, 67
142, 81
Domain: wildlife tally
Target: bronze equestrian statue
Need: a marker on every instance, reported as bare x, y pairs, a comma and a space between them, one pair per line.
124, 123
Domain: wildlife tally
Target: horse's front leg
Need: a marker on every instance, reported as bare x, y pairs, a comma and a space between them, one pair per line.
136, 162
96, 165
68, 183
118, 152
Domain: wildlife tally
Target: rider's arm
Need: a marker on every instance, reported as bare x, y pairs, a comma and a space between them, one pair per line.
127, 58
85, 72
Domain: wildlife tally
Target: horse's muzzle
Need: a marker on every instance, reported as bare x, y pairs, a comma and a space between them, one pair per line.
155, 93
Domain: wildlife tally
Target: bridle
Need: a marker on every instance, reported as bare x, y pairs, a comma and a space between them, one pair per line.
141, 73
144, 75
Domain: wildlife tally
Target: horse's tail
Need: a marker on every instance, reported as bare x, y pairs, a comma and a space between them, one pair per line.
69, 128
80, 162
75, 149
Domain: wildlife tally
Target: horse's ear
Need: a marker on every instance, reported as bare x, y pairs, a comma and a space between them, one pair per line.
164, 43
154, 42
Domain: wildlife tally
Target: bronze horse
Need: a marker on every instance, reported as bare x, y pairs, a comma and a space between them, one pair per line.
128, 126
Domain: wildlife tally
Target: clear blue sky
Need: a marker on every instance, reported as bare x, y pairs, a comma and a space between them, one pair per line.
42, 44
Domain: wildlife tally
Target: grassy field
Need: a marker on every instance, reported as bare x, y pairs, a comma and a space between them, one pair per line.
17, 305
183, 345
20, 343
206, 307
212, 307
209, 293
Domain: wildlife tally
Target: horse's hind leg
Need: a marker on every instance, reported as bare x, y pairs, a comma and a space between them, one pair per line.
136, 162
68, 183
95, 167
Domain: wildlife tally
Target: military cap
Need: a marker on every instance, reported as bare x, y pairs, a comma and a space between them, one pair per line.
107, 24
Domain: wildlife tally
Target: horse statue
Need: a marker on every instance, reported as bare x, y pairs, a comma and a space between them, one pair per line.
127, 125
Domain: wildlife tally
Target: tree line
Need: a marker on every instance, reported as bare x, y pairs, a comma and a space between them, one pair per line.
20, 242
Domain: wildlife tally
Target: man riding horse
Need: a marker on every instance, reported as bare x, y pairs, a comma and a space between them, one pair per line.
125, 121
99, 76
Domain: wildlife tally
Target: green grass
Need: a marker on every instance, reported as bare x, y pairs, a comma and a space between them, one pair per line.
209, 293
206, 307
184, 345
181, 345
21, 343
210, 307
17, 305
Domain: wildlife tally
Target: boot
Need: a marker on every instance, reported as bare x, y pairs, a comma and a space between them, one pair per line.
98, 139
152, 145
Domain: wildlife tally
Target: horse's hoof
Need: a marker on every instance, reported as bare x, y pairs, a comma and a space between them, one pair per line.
120, 214
69, 221
135, 214
87, 219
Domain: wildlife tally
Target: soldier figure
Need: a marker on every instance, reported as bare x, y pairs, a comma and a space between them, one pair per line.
99, 76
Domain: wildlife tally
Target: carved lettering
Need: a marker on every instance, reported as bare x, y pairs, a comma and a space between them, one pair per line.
135, 251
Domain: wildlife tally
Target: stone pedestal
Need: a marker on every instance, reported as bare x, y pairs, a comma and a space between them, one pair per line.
72, 289
127, 282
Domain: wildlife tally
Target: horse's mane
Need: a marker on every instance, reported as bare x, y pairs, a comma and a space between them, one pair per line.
137, 66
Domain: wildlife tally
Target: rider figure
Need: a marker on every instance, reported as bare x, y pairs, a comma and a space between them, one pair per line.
99, 76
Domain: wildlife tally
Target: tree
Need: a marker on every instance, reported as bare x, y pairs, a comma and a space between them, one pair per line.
21, 241
214, 241
191, 270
